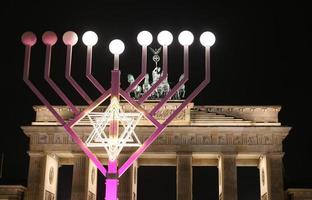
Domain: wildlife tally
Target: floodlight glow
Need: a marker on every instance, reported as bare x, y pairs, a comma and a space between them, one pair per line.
116, 47
164, 38
186, 38
89, 38
145, 38
207, 39
70, 38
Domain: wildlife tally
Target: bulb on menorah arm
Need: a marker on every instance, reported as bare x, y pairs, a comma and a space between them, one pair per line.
116, 47
29, 38
49, 38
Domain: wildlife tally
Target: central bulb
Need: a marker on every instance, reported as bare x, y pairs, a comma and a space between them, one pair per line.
116, 47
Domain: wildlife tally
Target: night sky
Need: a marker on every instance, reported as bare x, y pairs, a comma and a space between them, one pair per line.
262, 56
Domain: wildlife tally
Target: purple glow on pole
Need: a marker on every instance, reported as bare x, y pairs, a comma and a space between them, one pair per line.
178, 85
71, 80
160, 80
111, 181
112, 174
89, 71
143, 71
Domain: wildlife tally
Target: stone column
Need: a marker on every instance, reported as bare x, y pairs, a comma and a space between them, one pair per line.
184, 176
227, 177
271, 177
35, 173
84, 182
42, 177
127, 189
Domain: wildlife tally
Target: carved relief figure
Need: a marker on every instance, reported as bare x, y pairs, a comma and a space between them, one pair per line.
137, 89
146, 85
181, 91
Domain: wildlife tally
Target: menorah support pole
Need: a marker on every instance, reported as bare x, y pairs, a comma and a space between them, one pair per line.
111, 181
112, 173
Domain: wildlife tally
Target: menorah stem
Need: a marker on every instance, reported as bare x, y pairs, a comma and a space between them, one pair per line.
89, 71
143, 71
112, 174
207, 64
54, 86
71, 80
116, 62
160, 80
115, 85
174, 90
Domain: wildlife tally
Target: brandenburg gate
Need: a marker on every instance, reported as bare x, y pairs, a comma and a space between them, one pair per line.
222, 136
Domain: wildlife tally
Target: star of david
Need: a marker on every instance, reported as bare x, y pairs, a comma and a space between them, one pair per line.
113, 145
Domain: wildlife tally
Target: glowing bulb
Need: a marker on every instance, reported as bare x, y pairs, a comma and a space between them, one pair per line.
49, 38
145, 38
116, 47
70, 38
207, 39
186, 38
89, 38
164, 38
29, 38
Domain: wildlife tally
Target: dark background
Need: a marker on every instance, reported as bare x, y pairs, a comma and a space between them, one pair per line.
261, 57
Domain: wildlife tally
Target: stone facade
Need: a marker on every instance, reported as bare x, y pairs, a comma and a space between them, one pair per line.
222, 136
11, 192
299, 194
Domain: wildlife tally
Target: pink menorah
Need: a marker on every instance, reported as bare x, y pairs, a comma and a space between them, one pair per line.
165, 38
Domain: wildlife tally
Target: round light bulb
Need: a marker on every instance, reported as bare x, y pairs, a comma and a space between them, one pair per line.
145, 38
207, 39
49, 38
70, 38
164, 38
186, 38
89, 38
116, 47
29, 38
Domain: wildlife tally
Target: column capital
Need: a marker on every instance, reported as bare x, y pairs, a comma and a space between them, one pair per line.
227, 155
272, 155
35, 154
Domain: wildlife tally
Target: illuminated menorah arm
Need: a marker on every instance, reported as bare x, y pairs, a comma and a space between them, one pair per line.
49, 38
207, 39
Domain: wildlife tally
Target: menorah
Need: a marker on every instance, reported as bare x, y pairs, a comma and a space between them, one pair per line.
114, 118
